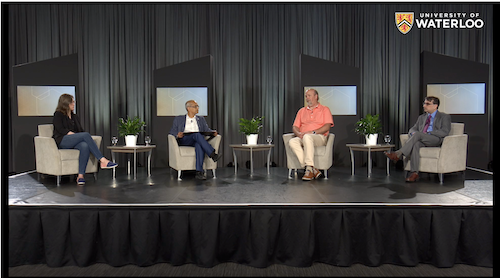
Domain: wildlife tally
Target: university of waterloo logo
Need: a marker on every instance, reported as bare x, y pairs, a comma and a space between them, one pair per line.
404, 21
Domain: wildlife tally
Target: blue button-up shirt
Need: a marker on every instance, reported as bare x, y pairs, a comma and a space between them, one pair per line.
431, 124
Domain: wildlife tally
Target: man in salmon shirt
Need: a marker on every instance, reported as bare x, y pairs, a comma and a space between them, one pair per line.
311, 127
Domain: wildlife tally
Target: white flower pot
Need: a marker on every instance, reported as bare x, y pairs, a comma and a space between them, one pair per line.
252, 139
130, 140
371, 139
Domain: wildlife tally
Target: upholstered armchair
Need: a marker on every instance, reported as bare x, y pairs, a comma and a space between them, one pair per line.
182, 158
450, 157
323, 155
58, 162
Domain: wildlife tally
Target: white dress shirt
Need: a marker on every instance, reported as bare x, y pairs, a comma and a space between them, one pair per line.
191, 124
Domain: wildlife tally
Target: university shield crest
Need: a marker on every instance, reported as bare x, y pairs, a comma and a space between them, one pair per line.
404, 21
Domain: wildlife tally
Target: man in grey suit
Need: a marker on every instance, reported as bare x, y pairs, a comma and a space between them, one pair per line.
429, 131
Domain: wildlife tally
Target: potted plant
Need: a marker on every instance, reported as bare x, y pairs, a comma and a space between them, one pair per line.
130, 128
369, 126
251, 129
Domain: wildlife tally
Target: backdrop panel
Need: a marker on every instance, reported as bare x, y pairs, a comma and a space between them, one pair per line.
194, 73
319, 72
441, 69
57, 71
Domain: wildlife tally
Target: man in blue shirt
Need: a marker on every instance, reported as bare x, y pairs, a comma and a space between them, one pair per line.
187, 128
429, 131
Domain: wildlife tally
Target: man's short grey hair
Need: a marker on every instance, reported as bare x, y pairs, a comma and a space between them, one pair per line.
187, 102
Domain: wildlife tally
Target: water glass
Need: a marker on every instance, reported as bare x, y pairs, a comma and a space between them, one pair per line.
114, 140
269, 139
147, 140
387, 139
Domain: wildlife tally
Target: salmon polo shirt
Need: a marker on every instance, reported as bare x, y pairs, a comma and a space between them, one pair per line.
308, 119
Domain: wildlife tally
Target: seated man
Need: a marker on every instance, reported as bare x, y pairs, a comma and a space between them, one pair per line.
429, 131
311, 126
187, 128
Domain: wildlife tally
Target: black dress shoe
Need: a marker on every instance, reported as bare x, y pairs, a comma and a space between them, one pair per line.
200, 175
214, 156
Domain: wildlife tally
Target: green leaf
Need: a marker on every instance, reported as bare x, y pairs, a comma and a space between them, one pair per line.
130, 126
252, 126
370, 124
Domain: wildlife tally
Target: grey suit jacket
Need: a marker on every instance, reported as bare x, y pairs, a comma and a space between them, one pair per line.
441, 126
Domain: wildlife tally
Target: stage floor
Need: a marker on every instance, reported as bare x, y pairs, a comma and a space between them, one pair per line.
163, 188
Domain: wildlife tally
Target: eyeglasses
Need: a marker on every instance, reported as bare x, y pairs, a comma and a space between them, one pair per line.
428, 103
196, 106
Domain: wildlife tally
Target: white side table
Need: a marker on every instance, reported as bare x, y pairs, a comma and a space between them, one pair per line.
136, 149
369, 149
251, 149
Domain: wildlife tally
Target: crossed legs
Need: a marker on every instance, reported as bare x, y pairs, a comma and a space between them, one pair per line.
83, 142
201, 147
412, 147
412, 150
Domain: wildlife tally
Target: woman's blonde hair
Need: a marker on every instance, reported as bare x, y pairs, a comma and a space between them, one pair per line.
63, 105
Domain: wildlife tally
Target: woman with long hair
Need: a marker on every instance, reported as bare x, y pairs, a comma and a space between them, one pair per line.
69, 134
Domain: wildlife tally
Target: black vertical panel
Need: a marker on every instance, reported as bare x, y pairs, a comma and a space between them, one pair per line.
319, 72
193, 73
442, 69
58, 71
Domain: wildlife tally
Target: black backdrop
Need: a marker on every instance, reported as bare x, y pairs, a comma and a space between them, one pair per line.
318, 72
255, 50
193, 73
58, 71
440, 69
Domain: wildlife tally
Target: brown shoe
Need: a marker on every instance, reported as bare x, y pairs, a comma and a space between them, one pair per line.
413, 177
316, 173
392, 156
309, 175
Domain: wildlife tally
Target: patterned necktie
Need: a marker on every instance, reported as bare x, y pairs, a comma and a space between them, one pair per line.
427, 123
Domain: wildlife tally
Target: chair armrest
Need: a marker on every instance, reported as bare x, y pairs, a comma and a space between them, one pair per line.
453, 154
292, 162
215, 142
46, 146
97, 139
174, 153
329, 143
47, 156
173, 146
403, 138
286, 141
287, 137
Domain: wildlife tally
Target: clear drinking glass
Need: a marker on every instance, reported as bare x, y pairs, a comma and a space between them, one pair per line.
114, 140
147, 140
269, 139
387, 139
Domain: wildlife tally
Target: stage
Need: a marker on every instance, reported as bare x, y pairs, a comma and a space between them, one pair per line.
255, 220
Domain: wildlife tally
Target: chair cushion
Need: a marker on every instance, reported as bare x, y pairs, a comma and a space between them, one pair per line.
430, 152
69, 154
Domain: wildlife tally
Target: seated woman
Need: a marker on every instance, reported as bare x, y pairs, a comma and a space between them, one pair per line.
69, 134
